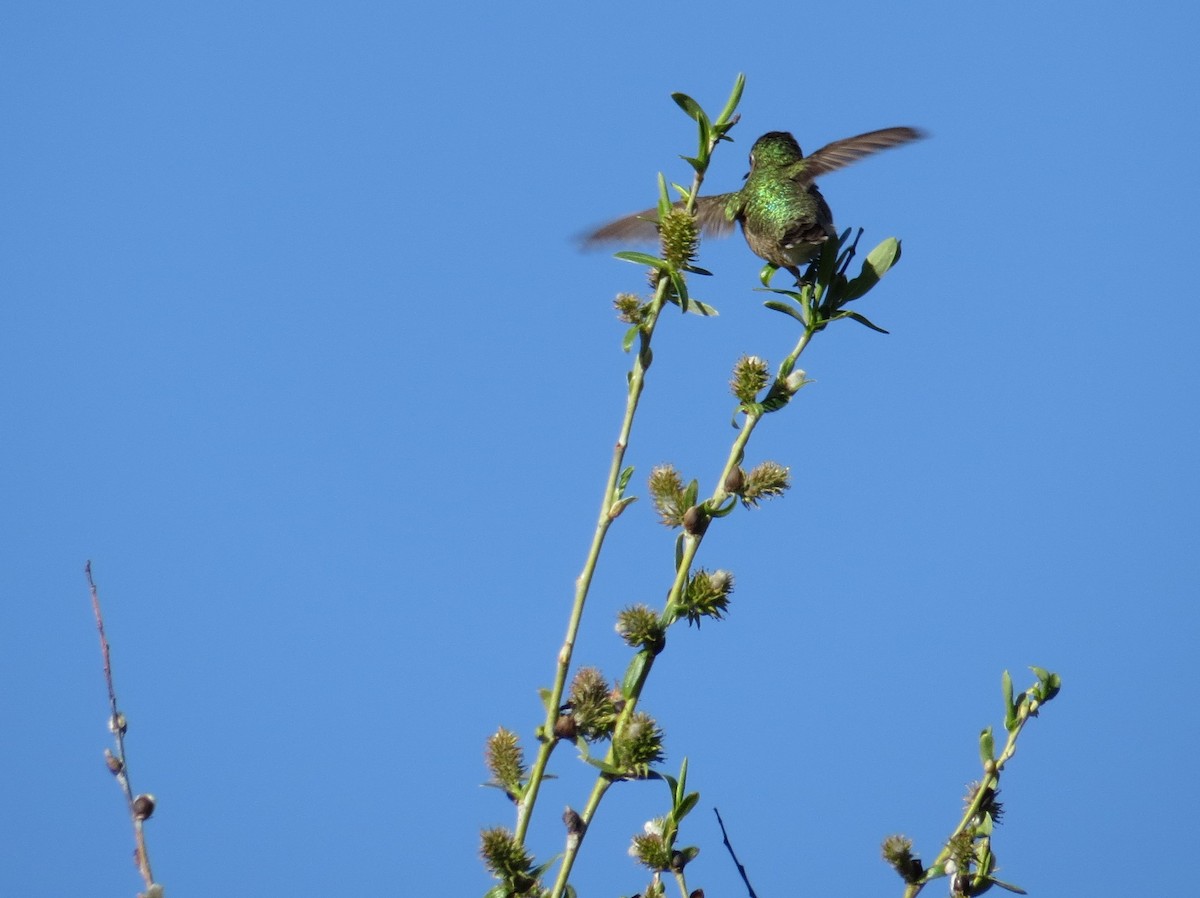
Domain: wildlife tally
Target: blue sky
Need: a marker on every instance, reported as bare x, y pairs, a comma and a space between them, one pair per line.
299, 349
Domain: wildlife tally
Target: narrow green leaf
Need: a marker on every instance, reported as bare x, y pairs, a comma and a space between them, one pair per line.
642, 259
786, 308
680, 785
664, 199
633, 673
688, 105
630, 336
766, 273
735, 97
695, 269
685, 807
696, 307
698, 164
498, 891
987, 746
690, 493
827, 262
774, 402
1007, 885
1010, 708
706, 138
862, 319
624, 478
724, 508
680, 287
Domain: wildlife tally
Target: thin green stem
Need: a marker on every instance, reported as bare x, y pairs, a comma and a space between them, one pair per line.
589, 811
583, 583
987, 785
691, 546
637, 378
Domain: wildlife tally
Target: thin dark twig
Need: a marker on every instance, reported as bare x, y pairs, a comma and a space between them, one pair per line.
141, 806
741, 870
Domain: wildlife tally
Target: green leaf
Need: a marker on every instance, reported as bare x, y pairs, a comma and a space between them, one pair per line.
498, 891
827, 263
698, 164
1049, 682
688, 105
664, 199
774, 401
630, 336
679, 786
696, 269
724, 508
633, 673
1007, 885
862, 319
987, 746
1010, 709
766, 273
544, 694
786, 308
876, 265
680, 287
642, 259
690, 493
684, 807
735, 97
696, 307
624, 478
678, 552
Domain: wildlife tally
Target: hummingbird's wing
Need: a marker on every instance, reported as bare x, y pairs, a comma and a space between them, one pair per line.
713, 215
841, 153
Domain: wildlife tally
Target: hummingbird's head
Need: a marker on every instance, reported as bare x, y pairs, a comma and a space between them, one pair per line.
775, 148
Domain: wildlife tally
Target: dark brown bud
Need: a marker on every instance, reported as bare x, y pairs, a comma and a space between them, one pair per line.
735, 481
575, 824
113, 763
564, 727
695, 521
143, 806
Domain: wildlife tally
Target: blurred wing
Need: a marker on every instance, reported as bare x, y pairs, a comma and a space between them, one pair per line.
642, 226
841, 153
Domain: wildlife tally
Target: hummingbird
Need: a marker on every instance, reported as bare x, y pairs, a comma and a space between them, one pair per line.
783, 216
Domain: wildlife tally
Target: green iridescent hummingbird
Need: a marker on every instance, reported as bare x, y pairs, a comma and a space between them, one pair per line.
782, 213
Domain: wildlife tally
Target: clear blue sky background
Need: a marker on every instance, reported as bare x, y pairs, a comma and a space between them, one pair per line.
299, 350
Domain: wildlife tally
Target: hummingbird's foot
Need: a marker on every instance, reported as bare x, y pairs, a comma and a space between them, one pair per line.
809, 278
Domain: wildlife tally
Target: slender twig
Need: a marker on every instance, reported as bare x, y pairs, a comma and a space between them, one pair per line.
141, 806
733, 854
